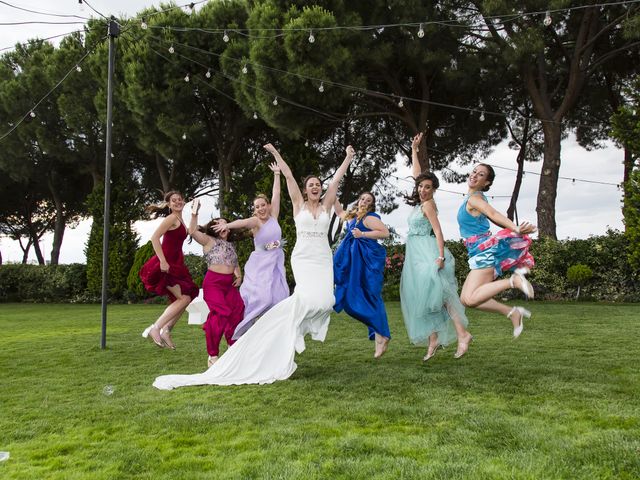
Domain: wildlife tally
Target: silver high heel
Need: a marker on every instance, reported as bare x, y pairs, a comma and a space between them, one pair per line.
525, 285
523, 313
147, 334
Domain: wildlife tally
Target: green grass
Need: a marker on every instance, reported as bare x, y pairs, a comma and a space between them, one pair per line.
560, 402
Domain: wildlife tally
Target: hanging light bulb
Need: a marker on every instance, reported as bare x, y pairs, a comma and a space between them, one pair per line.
481, 116
400, 103
255, 116
78, 68
275, 101
225, 37
143, 25
420, 32
184, 136
321, 87
171, 49
306, 143
81, 5
245, 70
311, 37
186, 78
573, 182
32, 114
547, 19
208, 74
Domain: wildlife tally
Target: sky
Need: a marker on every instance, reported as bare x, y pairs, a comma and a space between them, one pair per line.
582, 208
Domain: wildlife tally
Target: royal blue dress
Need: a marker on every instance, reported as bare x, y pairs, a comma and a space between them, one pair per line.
358, 271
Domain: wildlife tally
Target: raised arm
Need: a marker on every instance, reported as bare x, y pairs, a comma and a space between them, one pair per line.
416, 169
251, 222
199, 237
340, 213
275, 192
332, 190
480, 204
429, 210
292, 186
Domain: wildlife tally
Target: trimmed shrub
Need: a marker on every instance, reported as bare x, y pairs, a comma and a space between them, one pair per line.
42, 283
135, 288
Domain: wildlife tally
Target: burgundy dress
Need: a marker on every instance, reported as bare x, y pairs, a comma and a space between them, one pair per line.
157, 281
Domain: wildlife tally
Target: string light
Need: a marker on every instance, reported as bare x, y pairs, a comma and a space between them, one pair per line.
81, 5
208, 74
186, 78
547, 19
420, 32
171, 49
32, 114
275, 101
184, 136
245, 70
225, 37
400, 103
78, 68
306, 143
321, 87
143, 25
255, 116
311, 37
481, 116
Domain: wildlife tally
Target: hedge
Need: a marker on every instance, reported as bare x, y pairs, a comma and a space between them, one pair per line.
613, 278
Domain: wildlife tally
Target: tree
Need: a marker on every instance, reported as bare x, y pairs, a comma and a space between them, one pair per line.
554, 57
626, 129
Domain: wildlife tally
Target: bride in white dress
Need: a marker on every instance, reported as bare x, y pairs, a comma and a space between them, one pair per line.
266, 352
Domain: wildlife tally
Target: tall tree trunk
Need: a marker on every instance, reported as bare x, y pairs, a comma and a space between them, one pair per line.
25, 250
511, 211
548, 187
36, 246
59, 225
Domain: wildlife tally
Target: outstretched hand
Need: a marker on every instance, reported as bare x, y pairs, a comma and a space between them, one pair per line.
274, 167
415, 143
526, 228
350, 152
220, 227
271, 149
195, 206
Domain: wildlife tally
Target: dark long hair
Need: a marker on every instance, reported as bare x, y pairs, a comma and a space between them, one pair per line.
234, 235
490, 177
162, 209
304, 184
414, 198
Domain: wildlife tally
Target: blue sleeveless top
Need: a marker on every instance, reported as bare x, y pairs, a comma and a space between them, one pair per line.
470, 225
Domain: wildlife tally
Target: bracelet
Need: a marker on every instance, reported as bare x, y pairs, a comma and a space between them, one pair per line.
441, 258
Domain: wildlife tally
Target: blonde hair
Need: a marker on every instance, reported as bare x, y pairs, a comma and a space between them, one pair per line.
355, 212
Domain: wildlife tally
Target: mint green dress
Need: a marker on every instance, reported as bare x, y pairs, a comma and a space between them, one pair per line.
428, 296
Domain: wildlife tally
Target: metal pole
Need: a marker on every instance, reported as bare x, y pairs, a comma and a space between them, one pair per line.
113, 30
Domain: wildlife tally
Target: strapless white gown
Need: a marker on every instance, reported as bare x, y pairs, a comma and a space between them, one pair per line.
266, 352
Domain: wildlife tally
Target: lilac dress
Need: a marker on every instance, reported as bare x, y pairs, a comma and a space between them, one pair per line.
265, 283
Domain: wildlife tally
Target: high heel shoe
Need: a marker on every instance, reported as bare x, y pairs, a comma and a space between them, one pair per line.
525, 286
431, 352
152, 332
212, 359
523, 313
463, 347
166, 338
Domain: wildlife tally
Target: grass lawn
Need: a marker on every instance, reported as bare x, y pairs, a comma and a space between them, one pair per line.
563, 401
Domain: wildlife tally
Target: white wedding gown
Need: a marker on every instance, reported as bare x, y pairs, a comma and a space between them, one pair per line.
266, 352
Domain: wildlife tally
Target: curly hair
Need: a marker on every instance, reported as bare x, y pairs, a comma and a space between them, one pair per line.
414, 198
